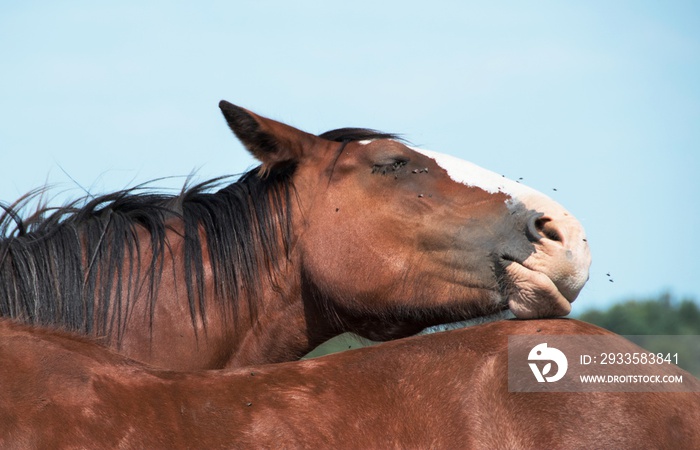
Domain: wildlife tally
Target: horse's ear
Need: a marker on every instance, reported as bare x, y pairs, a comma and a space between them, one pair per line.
271, 142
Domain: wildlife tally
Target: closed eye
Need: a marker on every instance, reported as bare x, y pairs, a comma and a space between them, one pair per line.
384, 169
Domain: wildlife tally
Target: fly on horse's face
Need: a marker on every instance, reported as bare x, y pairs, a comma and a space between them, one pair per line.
407, 230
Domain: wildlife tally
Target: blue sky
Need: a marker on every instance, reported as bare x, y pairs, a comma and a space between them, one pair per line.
599, 100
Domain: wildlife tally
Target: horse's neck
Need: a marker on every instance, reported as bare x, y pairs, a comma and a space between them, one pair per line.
269, 323
287, 324
281, 335
143, 306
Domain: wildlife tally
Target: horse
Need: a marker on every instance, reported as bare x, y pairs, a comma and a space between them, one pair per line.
444, 390
352, 230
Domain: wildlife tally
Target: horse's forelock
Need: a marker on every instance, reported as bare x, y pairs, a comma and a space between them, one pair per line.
357, 134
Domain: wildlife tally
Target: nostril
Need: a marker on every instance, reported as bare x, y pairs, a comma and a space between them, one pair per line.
539, 227
549, 229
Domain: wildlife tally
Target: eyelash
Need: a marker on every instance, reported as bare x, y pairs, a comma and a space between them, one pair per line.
383, 169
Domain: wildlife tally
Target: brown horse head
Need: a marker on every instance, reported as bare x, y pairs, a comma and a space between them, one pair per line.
384, 232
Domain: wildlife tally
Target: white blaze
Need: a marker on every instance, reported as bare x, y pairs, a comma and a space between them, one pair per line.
470, 174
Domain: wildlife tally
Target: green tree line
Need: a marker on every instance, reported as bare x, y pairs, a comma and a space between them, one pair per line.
662, 315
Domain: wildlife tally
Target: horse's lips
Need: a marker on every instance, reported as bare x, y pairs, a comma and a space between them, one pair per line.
533, 294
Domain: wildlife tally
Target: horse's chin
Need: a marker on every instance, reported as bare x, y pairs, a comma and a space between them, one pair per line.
532, 294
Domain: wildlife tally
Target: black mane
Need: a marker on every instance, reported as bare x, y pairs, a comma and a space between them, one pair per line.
65, 266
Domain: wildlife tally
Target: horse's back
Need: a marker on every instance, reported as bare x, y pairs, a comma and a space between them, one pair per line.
447, 390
